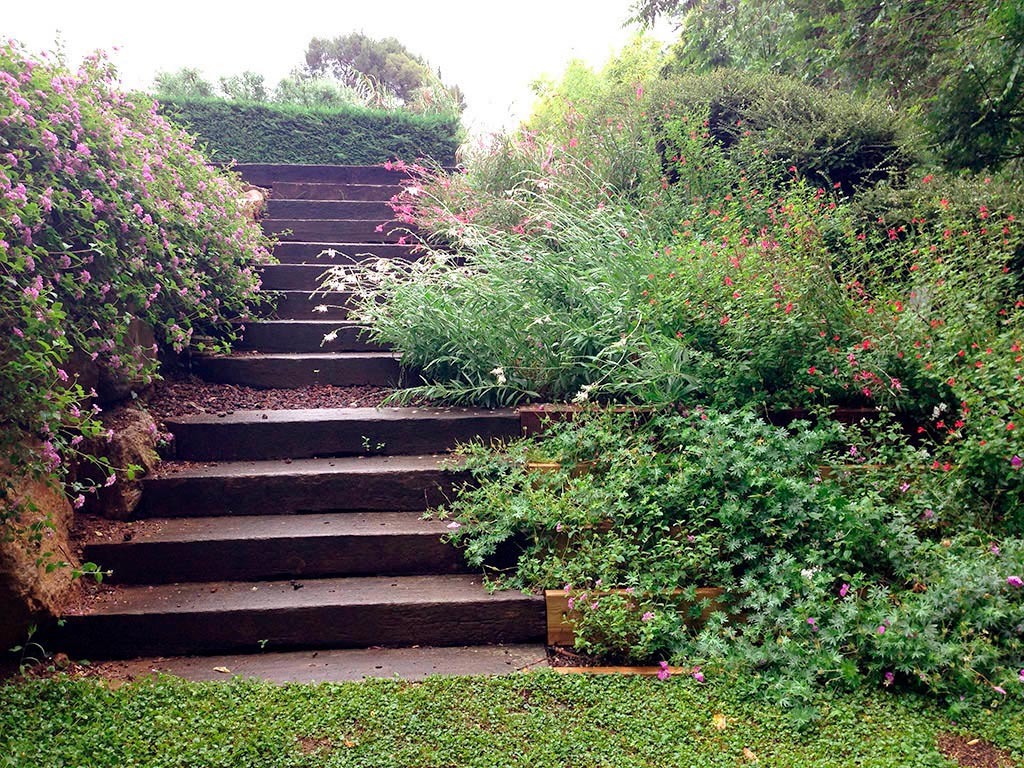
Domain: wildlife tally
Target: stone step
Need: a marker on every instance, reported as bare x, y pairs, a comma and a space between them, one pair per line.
351, 612
267, 174
302, 305
347, 664
292, 277
295, 434
382, 230
395, 483
344, 253
301, 369
299, 190
329, 209
305, 336
249, 548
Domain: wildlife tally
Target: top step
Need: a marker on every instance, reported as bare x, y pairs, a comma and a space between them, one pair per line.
265, 175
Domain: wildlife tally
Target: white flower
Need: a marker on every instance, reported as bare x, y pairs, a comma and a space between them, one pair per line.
320, 308
583, 394
329, 337
808, 573
499, 374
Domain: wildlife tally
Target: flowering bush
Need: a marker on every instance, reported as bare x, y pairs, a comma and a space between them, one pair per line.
107, 213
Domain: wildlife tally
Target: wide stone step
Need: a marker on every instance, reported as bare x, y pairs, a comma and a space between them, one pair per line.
328, 254
306, 336
303, 369
397, 483
335, 432
292, 277
303, 305
279, 615
248, 548
297, 190
268, 174
329, 209
347, 664
381, 230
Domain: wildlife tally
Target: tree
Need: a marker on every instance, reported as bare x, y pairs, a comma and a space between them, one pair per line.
386, 61
248, 86
186, 83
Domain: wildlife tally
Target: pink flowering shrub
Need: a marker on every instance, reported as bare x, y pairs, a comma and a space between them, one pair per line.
107, 212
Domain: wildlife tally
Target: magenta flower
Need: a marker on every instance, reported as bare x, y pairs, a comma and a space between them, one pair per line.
999, 690
889, 678
1016, 462
843, 590
994, 548
881, 629
663, 673
1014, 581
813, 623
698, 675
647, 616
1021, 675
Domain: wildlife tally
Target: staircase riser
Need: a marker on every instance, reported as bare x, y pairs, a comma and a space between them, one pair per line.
326, 627
293, 277
281, 558
258, 441
265, 175
297, 190
267, 337
284, 494
292, 374
299, 306
329, 209
337, 230
314, 253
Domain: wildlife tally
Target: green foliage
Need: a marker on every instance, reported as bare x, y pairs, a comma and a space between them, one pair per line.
266, 133
186, 83
539, 719
248, 86
827, 540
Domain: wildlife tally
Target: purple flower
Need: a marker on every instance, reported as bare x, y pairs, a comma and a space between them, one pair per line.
1016, 462
843, 590
663, 673
698, 675
889, 678
1014, 581
1022, 675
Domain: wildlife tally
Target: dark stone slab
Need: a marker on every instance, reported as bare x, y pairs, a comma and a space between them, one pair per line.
329, 209
280, 546
291, 371
399, 483
344, 253
297, 434
297, 190
292, 277
337, 230
327, 613
349, 664
302, 305
306, 336
268, 174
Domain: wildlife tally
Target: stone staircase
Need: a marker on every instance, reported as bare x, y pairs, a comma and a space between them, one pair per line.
279, 531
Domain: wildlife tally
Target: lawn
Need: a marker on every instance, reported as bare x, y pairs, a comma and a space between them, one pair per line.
539, 719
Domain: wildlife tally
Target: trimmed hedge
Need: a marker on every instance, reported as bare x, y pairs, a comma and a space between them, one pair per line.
272, 133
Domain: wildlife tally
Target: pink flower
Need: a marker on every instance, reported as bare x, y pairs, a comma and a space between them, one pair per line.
889, 678
999, 690
453, 525
1014, 581
813, 623
994, 548
843, 590
647, 616
379, 228
79, 501
698, 675
111, 479
1016, 462
881, 629
1021, 675
663, 672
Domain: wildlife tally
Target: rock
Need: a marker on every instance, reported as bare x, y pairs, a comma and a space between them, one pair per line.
133, 443
28, 593
254, 201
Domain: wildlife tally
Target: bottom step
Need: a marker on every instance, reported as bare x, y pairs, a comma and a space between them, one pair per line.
360, 612
336, 665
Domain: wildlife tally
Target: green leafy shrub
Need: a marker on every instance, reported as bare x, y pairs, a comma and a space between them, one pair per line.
280, 133
107, 213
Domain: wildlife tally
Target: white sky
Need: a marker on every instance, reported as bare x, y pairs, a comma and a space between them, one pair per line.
491, 49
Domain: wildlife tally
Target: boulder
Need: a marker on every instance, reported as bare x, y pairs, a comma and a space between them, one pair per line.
254, 201
132, 442
30, 592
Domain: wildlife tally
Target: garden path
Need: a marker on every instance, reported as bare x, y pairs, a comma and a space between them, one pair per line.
293, 539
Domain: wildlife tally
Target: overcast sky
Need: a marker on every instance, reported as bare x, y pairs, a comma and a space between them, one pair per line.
491, 49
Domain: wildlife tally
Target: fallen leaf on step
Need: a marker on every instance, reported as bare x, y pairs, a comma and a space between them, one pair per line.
749, 754
719, 721
222, 670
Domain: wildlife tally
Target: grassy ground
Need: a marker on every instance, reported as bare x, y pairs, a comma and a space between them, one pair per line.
531, 720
